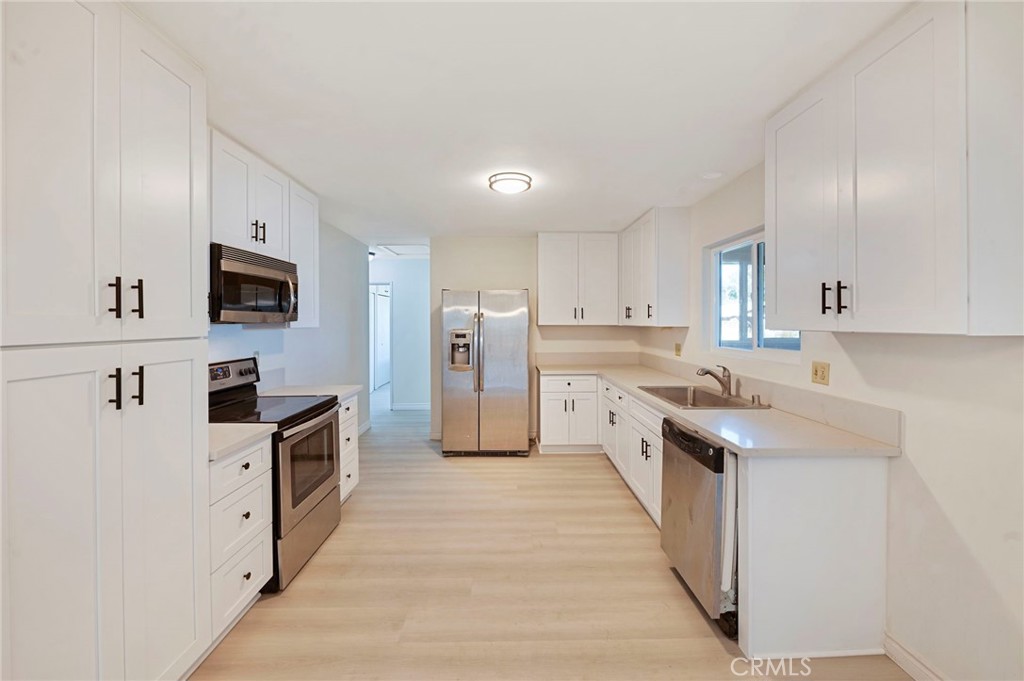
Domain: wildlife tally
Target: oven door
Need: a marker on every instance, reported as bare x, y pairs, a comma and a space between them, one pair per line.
248, 293
309, 467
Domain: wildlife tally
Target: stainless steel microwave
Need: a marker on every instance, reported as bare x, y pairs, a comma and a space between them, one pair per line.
249, 288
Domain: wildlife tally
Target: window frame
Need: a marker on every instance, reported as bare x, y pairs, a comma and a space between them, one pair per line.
712, 300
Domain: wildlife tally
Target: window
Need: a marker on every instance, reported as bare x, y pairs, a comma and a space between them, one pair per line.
739, 308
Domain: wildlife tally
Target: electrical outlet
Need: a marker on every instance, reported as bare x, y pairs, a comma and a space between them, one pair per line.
819, 372
679, 349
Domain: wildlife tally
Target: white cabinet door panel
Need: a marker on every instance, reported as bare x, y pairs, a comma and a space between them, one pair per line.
166, 509
801, 213
61, 244
272, 211
304, 249
583, 425
903, 174
646, 262
164, 221
554, 418
62, 518
233, 193
639, 465
557, 279
599, 279
606, 415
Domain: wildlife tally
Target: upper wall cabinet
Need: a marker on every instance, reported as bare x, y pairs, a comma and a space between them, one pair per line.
654, 256
249, 200
871, 221
304, 239
93, 248
577, 279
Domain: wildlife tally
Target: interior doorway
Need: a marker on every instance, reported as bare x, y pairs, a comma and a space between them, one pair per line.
380, 340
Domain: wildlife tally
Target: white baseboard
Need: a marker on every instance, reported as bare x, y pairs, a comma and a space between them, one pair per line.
411, 406
363, 427
435, 436
910, 662
569, 449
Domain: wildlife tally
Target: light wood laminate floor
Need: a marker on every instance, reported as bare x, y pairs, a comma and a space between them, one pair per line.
487, 568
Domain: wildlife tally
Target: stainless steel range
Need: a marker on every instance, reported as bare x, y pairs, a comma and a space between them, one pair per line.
306, 468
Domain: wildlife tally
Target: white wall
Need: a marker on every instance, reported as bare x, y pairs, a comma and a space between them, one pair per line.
474, 263
410, 328
956, 496
337, 351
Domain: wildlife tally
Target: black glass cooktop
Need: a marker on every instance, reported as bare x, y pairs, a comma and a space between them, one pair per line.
285, 411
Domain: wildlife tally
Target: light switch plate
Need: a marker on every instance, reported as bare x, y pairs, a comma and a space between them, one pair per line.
819, 372
679, 349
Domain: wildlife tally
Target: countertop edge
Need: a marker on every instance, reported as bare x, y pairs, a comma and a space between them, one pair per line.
248, 434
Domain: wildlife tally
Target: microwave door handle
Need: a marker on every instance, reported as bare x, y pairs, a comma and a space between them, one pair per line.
291, 296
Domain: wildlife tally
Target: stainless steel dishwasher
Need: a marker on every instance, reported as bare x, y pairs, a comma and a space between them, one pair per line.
698, 519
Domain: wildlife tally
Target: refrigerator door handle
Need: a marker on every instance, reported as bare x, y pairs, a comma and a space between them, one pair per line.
474, 353
480, 352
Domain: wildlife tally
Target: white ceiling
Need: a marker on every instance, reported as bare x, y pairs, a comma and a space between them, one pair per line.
395, 114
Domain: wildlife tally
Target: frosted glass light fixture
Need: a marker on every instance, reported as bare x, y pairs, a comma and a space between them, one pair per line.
510, 183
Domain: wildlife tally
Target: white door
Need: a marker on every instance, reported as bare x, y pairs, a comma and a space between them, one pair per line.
382, 340
61, 244
554, 418
639, 464
606, 416
166, 508
232, 193
627, 277
583, 424
599, 279
800, 213
372, 307
304, 250
557, 279
902, 151
164, 221
62, 560
272, 211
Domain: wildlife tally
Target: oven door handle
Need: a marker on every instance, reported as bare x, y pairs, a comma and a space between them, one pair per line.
311, 425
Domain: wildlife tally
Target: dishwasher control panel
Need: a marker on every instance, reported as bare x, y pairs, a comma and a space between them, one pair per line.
706, 453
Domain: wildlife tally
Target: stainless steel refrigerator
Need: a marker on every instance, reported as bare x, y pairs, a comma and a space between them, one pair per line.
485, 406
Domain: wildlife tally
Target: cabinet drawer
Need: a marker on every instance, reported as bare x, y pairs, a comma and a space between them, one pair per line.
648, 417
241, 578
349, 477
237, 470
571, 384
348, 437
349, 409
237, 518
614, 394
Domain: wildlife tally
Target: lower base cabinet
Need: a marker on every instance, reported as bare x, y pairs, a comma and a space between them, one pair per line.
569, 412
238, 581
106, 513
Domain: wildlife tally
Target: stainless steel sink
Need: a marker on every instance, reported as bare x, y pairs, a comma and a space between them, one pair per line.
699, 397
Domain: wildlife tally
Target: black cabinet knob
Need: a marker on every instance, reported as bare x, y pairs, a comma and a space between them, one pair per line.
245, 466
247, 515
247, 576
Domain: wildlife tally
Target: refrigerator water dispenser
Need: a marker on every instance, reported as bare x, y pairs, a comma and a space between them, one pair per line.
460, 354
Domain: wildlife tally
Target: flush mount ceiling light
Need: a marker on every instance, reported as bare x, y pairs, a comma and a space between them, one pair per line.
711, 174
510, 183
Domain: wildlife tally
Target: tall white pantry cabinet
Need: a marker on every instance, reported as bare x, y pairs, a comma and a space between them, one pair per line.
104, 509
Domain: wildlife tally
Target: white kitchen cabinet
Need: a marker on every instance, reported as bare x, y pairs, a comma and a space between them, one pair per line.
61, 237
164, 184
871, 223
105, 220
569, 414
249, 200
165, 508
653, 265
615, 434
304, 250
62, 514
645, 467
577, 279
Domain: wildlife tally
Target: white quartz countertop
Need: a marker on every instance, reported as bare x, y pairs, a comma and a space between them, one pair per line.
342, 391
227, 438
747, 432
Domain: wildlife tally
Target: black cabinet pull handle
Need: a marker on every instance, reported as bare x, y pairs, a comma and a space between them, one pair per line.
629, 312
565, 406
824, 289
839, 297
574, 405
650, 311
263, 228
245, 466
247, 515
348, 475
255, 230
348, 439
247, 576
117, 297
141, 373
117, 388
574, 313
581, 314
140, 310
